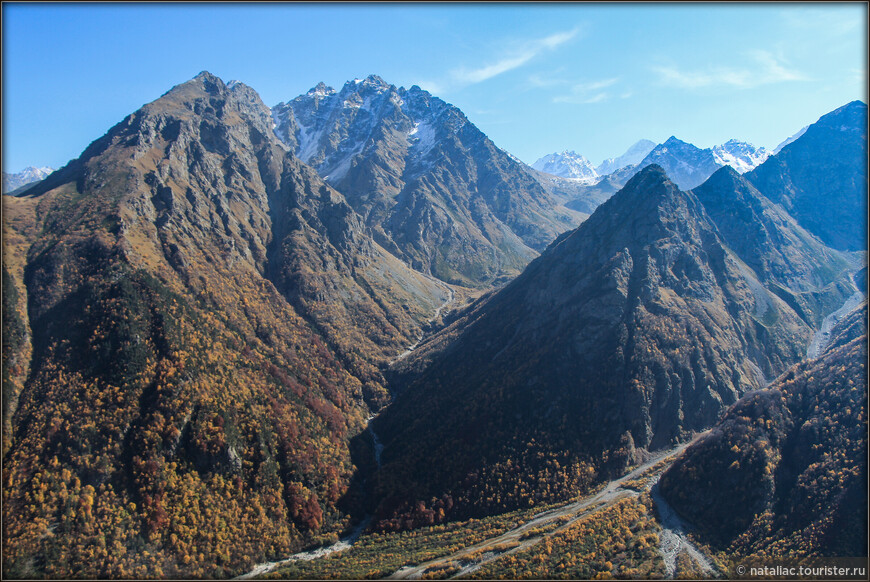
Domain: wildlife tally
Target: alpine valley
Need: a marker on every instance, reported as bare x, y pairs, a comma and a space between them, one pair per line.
348, 336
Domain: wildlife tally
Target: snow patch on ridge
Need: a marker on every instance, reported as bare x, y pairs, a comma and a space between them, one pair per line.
739, 155
422, 137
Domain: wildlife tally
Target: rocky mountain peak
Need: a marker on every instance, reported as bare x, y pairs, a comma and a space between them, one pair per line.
821, 177
423, 177
686, 164
320, 90
567, 164
740, 155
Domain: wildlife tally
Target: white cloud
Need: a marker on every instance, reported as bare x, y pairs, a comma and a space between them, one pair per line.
513, 58
432, 87
767, 69
587, 92
539, 81
490, 71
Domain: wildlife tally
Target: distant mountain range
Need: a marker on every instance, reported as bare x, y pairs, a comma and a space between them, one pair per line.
567, 165
686, 164
26, 176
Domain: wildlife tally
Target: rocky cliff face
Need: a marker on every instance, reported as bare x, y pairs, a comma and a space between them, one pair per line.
628, 333
434, 189
821, 178
200, 320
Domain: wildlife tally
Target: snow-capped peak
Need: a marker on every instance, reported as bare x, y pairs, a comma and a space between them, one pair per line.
26, 176
321, 90
567, 164
739, 155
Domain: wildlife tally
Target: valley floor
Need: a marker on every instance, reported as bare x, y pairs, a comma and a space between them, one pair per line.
521, 543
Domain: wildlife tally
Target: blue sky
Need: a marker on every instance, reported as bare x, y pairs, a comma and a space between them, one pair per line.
536, 78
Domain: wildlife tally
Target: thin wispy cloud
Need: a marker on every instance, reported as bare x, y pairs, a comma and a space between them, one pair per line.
587, 92
821, 20
547, 80
766, 69
432, 87
513, 58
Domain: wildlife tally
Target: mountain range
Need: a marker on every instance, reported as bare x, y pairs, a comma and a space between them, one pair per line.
233, 332
685, 163
630, 332
28, 175
204, 319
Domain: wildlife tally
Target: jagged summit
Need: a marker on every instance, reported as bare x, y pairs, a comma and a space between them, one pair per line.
434, 189
372, 81
687, 165
740, 155
320, 90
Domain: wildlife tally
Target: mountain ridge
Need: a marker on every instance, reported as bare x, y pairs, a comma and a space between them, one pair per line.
435, 190
609, 295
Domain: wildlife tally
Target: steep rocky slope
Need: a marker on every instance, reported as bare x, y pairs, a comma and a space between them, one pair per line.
197, 321
812, 278
821, 178
434, 190
627, 334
